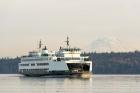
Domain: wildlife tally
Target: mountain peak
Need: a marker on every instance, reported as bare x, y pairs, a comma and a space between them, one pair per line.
105, 44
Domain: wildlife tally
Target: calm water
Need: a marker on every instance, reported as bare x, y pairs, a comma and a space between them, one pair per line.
96, 84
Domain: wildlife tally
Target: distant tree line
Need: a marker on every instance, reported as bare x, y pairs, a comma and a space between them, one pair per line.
9, 65
103, 63
116, 63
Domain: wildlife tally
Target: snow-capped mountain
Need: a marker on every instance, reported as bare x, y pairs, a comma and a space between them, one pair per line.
106, 44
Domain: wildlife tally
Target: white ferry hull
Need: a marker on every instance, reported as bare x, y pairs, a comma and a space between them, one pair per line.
55, 68
54, 73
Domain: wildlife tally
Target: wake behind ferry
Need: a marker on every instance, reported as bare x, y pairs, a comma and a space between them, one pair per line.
65, 61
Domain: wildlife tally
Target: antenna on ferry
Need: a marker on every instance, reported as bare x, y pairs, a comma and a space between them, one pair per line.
67, 41
40, 44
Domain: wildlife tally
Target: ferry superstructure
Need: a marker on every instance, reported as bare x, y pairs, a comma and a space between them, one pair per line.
65, 61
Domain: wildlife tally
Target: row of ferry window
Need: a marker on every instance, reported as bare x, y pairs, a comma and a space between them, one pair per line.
66, 59
32, 70
36, 59
38, 64
58, 59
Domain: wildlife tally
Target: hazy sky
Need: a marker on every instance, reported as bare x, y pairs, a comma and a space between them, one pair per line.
24, 22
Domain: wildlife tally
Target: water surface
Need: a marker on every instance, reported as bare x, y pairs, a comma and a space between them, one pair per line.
96, 84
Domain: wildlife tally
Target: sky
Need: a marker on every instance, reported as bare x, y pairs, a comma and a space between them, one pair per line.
24, 22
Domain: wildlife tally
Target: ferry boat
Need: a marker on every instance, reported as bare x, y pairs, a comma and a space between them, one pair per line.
65, 61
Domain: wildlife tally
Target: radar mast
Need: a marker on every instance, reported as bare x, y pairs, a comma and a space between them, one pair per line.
40, 44
67, 42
